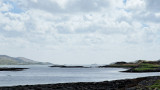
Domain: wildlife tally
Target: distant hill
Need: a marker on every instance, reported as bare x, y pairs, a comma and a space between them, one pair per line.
7, 60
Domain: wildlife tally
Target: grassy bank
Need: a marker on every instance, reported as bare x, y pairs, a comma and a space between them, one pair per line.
146, 67
139, 66
156, 85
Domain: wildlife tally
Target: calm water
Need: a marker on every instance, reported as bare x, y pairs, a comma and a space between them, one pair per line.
46, 75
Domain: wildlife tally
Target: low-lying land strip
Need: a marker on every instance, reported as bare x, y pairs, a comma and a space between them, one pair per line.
66, 66
12, 69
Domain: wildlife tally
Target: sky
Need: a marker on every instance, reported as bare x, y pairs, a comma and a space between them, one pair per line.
80, 31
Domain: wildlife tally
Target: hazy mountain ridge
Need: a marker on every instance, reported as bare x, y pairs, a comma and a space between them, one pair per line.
7, 60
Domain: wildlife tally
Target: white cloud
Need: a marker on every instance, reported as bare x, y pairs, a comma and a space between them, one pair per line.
135, 4
5, 6
73, 30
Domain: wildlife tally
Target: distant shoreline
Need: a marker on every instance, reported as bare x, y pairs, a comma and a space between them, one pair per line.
145, 83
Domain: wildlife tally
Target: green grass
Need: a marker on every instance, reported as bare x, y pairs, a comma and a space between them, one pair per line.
149, 65
143, 69
146, 66
156, 85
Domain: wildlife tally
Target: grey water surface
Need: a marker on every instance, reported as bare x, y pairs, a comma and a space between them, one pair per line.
42, 74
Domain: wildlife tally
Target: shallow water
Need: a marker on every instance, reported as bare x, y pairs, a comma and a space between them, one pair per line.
42, 74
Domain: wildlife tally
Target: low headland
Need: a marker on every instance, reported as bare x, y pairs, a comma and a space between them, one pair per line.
8, 60
139, 66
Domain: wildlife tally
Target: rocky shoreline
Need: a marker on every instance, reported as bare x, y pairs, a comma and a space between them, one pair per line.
132, 70
144, 83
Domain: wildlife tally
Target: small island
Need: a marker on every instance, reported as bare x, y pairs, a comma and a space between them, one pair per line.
12, 69
139, 66
67, 66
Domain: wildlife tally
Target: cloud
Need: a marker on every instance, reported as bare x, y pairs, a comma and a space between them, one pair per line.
65, 6
153, 6
105, 29
135, 5
5, 6
143, 10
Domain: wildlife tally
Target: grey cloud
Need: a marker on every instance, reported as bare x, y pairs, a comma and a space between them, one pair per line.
143, 15
89, 29
153, 5
63, 30
74, 6
87, 5
146, 18
11, 34
40, 4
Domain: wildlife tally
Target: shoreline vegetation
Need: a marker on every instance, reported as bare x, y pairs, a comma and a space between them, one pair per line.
144, 83
139, 66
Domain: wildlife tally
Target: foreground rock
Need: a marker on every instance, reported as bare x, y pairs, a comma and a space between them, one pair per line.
12, 69
145, 83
